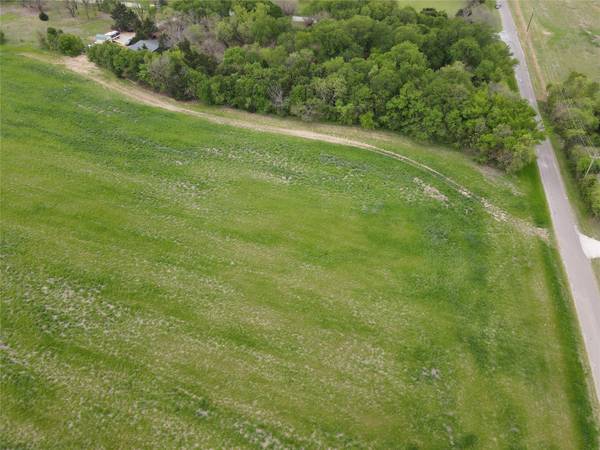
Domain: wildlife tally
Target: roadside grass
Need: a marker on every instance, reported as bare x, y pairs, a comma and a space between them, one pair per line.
22, 26
570, 336
561, 39
170, 282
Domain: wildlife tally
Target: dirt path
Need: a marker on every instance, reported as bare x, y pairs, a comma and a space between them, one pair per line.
88, 69
84, 67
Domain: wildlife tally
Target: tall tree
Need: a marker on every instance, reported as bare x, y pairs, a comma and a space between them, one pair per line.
71, 6
125, 19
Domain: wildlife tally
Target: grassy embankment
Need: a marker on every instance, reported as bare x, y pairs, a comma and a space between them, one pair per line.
167, 281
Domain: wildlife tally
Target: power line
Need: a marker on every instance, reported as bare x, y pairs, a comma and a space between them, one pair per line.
530, 19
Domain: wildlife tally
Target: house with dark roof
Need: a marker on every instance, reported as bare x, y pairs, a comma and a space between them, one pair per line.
304, 20
145, 44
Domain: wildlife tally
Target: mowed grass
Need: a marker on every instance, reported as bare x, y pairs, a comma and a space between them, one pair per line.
167, 282
564, 36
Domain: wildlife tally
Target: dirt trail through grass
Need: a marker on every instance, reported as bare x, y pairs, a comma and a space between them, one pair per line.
83, 66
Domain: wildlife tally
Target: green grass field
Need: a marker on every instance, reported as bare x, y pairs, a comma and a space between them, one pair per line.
167, 282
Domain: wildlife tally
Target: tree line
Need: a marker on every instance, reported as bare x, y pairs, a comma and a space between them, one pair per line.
574, 109
366, 62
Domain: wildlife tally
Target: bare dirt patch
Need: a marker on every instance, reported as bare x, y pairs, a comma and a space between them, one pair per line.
430, 191
495, 176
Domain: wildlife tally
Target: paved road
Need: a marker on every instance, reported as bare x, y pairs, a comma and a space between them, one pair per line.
579, 269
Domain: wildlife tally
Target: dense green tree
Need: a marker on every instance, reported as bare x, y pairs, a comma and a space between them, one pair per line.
574, 108
366, 62
70, 45
145, 29
197, 9
329, 38
411, 33
380, 10
338, 9
249, 26
124, 18
196, 60
466, 50
407, 15
169, 74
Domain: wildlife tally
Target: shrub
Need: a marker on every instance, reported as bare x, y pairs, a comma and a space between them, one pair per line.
366, 120
169, 74
121, 61
51, 39
57, 41
70, 45
2, 37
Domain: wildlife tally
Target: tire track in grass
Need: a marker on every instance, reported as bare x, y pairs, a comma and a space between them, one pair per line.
82, 66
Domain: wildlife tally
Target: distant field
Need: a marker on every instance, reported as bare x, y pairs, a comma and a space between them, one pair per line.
169, 282
21, 25
564, 36
450, 6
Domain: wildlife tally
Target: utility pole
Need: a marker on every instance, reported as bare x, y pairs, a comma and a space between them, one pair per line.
594, 158
530, 19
